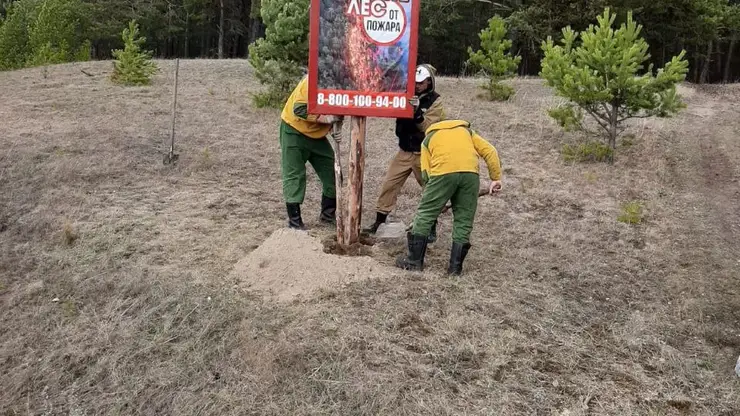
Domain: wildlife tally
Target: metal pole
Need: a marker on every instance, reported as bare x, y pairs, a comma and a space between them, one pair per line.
171, 156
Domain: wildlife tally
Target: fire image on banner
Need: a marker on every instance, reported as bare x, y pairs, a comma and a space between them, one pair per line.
360, 53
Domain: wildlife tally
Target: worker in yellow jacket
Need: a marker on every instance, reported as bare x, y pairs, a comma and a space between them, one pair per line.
449, 165
303, 139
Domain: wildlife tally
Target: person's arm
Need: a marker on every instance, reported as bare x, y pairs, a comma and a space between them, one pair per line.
300, 110
434, 113
490, 155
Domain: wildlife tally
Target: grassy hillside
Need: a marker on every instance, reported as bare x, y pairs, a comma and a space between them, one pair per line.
117, 294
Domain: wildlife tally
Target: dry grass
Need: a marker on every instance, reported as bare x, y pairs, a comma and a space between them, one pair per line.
563, 310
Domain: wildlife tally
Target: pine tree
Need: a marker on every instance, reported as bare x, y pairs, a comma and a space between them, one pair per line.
42, 32
133, 66
57, 34
14, 46
280, 58
605, 77
494, 60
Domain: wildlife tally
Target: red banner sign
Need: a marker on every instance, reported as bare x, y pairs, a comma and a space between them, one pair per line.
362, 57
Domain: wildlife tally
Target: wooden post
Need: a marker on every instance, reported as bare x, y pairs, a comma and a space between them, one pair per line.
339, 185
356, 175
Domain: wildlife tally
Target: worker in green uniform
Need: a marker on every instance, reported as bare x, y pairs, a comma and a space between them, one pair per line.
449, 165
303, 139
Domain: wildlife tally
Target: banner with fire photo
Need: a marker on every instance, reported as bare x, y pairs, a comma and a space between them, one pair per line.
362, 57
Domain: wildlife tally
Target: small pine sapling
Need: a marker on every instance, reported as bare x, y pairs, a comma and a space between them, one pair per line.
605, 77
494, 60
133, 66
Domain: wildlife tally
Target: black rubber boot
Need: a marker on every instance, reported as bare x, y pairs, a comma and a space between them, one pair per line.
379, 219
417, 246
433, 234
457, 257
328, 210
294, 216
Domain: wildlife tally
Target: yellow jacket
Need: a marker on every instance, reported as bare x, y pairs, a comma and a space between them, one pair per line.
295, 113
452, 146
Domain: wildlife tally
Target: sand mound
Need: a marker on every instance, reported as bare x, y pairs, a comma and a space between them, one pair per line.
291, 263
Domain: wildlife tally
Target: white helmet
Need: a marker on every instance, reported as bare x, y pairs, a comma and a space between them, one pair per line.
422, 73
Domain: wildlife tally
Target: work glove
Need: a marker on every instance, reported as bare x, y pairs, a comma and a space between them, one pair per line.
336, 132
330, 119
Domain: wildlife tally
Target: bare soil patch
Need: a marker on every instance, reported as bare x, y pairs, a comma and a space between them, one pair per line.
364, 247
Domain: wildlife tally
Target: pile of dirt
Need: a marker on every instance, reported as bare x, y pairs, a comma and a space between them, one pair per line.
291, 263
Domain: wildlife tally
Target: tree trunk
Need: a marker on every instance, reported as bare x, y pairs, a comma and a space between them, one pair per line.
168, 43
707, 62
728, 62
221, 33
613, 118
255, 29
186, 45
252, 31
718, 61
235, 47
662, 56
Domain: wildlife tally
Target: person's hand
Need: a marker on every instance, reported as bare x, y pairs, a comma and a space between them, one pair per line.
495, 187
330, 119
336, 134
414, 101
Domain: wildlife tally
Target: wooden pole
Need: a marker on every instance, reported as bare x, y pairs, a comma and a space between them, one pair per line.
339, 184
356, 175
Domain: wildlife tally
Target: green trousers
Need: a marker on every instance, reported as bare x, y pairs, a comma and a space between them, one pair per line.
462, 189
296, 150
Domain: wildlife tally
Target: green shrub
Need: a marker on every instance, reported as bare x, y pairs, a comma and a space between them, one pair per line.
593, 151
496, 91
631, 213
272, 98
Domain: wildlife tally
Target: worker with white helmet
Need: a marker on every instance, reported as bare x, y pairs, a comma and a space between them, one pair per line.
410, 133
